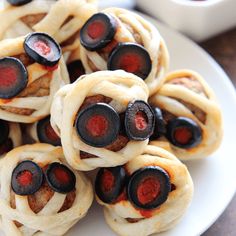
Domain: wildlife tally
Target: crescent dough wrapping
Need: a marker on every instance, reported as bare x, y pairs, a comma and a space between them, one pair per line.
34, 102
14, 137
133, 28
126, 220
47, 221
42, 15
122, 88
186, 94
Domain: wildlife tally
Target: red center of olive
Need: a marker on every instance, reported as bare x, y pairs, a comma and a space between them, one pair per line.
140, 120
42, 47
97, 125
183, 135
8, 76
50, 133
130, 62
148, 190
51, 68
108, 181
61, 175
96, 29
25, 178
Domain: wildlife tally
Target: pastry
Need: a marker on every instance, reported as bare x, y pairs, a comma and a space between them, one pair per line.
189, 116
148, 195
102, 119
31, 71
42, 16
119, 39
10, 136
40, 195
42, 132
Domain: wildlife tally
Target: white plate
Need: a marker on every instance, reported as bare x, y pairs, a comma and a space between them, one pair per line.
214, 178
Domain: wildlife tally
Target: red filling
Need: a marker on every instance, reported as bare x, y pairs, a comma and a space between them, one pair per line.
51, 68
25, 178
108, 181
42, 47
61, 175
96, 29
97, 125
130, 63
140, 120
183, 135
148, 190
146, 213
8, 76
50, 133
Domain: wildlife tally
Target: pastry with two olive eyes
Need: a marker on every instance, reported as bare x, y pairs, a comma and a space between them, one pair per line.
147, 195
187, 115
40, 194
119, 39
103, 119
31, 72
10, 136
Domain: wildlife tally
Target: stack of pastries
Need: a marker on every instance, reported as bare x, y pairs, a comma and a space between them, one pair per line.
83, 89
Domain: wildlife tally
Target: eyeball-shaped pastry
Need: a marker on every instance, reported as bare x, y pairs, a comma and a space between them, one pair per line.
148, 195
42, 132
31, 71
40, 194
119, 39
25, 16
10, 136
103, 119
191, 114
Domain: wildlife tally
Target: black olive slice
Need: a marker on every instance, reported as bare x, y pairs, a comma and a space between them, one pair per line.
60, 178
13, 77
98, 125
148, 187
130, 57
183, 132
4, 131
19, 2
160, 126
139, 120
27, 178
98, 31
42, 48
46, 134
110, 183
75, 69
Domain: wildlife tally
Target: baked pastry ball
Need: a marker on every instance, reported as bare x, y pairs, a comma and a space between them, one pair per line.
187, 115
61, 19
148, 195
40, 195
10, 136
103, 119
42, 132
31, 71
119, 39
